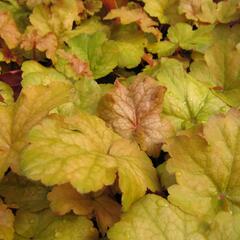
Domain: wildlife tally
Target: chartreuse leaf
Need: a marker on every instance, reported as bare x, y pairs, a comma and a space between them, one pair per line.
130, 42
46, 226
184, 36
206, 164
166, 10
36, 74
6, 222
220, 68
93, 157
37, 98
187, 101
6, 114
100, 205
134, 113
152, 217
19, 192
88, 95
162, 48
95, 50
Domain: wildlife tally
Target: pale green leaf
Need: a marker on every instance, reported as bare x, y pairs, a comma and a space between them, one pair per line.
162, 48
206, 164
183, 35
96, 50
220, 67
36, 74
130, 42
152, 217
187, 101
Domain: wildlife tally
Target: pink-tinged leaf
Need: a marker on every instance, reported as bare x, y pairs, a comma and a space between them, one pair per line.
135, 113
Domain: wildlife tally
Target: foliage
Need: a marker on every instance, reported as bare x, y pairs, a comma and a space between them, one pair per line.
119, 119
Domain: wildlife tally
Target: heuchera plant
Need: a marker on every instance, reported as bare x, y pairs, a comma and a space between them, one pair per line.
119, 120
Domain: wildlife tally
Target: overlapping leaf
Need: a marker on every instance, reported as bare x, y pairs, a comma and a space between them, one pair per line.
135, 14
201, 10
208, 11
45, 226
18, 192
220, 67
6, 113
36, 100
84, 167
187, 101
166, 10
134, 113
81, 150
207, 177
34, 103
6, 222
17, 11
182, 34
50, 24
130, 42
8, 29
102, 206
94, 50
154, 218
